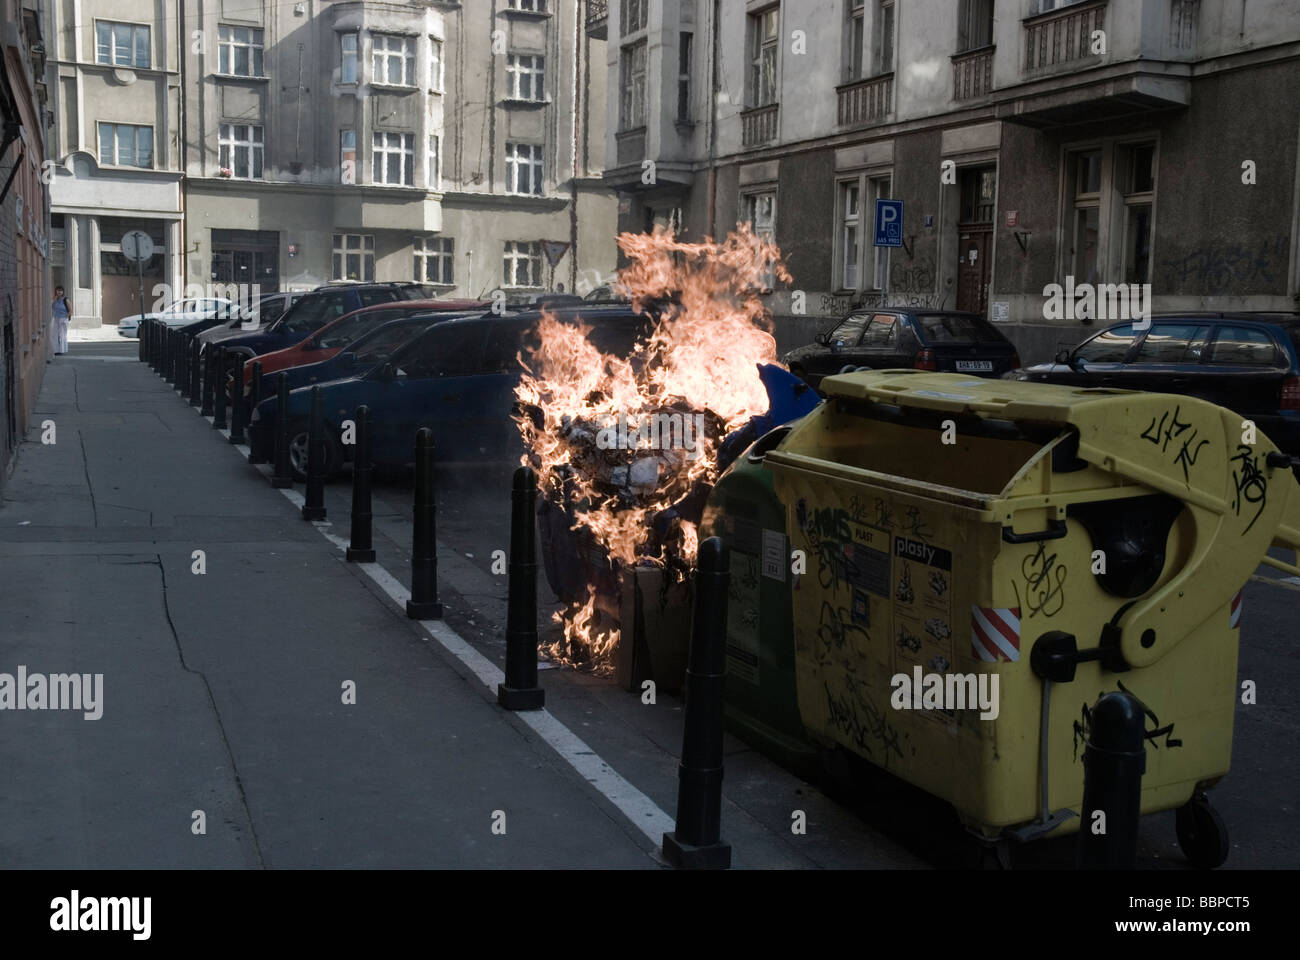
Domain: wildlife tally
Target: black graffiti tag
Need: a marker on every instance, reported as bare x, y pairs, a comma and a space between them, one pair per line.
1251, 484
1171, 428
1044, 583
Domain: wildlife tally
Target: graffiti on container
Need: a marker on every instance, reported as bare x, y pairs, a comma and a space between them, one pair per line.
915, 525
1250, 482
836, 627
854, 715
857, 509
1219, 268
1153, 731
884, 515
1044, 583
1170, 428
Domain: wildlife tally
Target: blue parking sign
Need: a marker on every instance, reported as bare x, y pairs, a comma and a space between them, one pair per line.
889, 223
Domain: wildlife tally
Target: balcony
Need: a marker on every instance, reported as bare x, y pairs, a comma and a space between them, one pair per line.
1063, 38
972, 74
598, 19
865, 102
758, 126
631, 146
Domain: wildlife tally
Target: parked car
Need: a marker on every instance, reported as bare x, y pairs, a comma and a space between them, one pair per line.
1247, 362
268, 309
457, 378
944, 340
337, 334
179, 313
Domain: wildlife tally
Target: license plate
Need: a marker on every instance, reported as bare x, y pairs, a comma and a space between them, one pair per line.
974, 366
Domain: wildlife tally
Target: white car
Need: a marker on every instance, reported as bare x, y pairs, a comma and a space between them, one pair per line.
179, 313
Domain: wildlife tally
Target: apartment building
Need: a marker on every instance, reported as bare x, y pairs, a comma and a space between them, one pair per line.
1112, 141
25, 341
454, 144
115, 93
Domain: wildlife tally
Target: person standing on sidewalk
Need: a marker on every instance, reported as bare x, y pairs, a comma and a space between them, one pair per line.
62, 313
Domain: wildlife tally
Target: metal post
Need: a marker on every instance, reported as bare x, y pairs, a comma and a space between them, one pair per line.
196, 373
520, 690
254, 402
208, 376
219, 385
696, 842
361, 548
313, 507
140, 341
1113, 763
282, 477
424, 604
237, 413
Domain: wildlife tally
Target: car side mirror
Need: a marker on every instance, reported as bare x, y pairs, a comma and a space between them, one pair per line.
822, 338
1063, 356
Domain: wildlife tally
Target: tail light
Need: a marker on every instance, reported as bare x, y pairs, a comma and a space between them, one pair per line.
1290, 399
925, 360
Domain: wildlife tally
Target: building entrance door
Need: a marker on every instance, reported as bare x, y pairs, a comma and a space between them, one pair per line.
975, 238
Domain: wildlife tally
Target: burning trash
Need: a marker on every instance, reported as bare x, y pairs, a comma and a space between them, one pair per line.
626, 446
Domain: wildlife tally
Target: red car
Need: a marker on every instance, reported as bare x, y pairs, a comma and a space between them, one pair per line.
337, 334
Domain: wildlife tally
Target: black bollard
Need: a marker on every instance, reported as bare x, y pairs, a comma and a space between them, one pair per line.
520, 690
153, 345
140, 340
237, 414
1113, 763
424, 604
169, 356
361, 549
205, 408
313, 507
282, 476
254, 401
196, 374
696, 842
219, 385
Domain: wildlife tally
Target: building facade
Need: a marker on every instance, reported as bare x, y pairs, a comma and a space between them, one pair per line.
1031, 141
25, 341
436, 141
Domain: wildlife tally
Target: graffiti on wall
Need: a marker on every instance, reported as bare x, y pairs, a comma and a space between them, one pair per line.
1218, 268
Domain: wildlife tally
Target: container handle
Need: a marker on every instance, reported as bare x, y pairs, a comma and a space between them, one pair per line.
1055, 531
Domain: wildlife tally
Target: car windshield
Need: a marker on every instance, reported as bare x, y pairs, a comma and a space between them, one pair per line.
956, 328
346, 330
312, 312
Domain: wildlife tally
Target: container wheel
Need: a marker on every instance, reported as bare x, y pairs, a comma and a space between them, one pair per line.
1202, 834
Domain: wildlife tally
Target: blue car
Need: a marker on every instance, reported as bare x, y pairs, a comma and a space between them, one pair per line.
457, 378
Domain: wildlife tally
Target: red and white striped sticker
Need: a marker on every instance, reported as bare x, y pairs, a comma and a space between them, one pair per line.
995, 633
1234, 612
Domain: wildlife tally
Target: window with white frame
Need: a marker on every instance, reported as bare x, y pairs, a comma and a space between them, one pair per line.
354, 257
435, 65
685, 45
974, 24
532, 6
764, 41
126, 145
1085, 181
240, 150
524, 168
849, 229
392, 159
122, 44
239, 51
433, 164
1136, 171
759, 211
348, 59
524, 77
392, 60
1110, 196
523, 263
632, 16
879, 188
858, 264
854, 39
632, 59
347, 156
433, 260
884, 32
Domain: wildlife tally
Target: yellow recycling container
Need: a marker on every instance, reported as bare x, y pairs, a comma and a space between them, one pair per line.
948, 523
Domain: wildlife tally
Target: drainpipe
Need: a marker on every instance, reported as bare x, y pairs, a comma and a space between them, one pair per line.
713, 118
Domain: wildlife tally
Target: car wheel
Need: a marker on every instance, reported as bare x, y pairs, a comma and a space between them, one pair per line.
333, 459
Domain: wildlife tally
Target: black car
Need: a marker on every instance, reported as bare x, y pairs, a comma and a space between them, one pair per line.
944, 340
1246, 362
267, 310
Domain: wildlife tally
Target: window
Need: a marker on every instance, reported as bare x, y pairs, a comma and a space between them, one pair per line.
955, 328
393, 60
633, 16
1242, 346
879, 189
354, 257
348, 58
884, 36
239, 51
435, 65
241, 150
121, 44
347, 156
392, 159
882, 333
853, 39
974, 24
848, 234
126, 145
1138, 172
759, 209
433, 164
632, 86
1109, 346
849, 332
523, 263
524, 168
524, 77
448, 350
762, 58
978, 186
433, 260
378, 345
1173, 343
684, 45
532, 6
1086, 178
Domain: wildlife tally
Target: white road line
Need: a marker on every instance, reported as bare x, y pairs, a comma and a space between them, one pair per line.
642, 812
96, 356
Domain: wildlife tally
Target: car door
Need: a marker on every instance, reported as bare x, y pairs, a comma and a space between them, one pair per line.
1244, 369
429, 390
880, 344
842, 346
1167, 358
1096, 362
